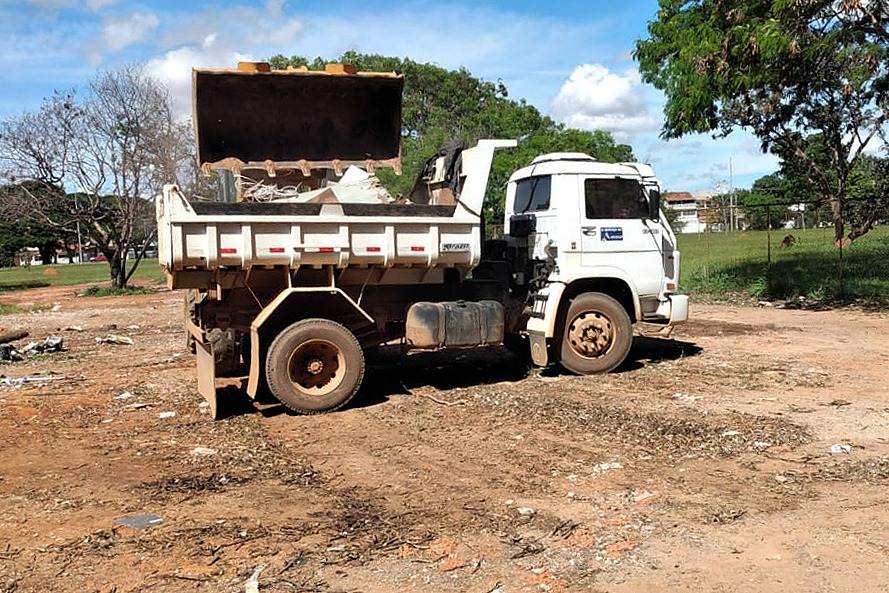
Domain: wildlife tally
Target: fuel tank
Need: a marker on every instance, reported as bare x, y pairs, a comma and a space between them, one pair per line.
457, 324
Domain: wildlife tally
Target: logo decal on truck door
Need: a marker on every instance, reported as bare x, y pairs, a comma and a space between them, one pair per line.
612, 234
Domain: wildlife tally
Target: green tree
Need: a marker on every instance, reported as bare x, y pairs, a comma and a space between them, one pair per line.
784, 69
765, 205
19, 232
440, 105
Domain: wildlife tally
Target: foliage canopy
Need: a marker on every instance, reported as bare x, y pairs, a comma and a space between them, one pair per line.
785, 69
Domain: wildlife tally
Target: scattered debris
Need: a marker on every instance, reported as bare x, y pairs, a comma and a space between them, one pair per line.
684, 397
136, 406
50, 344
525, 511
252, 584
443, 402
165, 415
601, 468
8, 352
840, 448
203, 451
141, 521
731, 433
644, 496
115, 339
73, 328
124, 395
19, 381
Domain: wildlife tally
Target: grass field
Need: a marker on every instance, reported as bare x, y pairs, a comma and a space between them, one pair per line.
714, 265
719, 264
64, 274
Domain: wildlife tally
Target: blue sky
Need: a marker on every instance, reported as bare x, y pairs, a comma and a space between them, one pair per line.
570, 59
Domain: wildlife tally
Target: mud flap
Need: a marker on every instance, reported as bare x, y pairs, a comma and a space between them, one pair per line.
207, 376
538, 348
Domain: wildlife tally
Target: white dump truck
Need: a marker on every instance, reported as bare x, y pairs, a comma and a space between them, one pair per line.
305, 264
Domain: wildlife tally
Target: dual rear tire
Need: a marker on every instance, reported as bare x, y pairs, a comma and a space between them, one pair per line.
314, 365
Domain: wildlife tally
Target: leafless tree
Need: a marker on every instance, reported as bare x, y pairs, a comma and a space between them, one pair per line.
106, 156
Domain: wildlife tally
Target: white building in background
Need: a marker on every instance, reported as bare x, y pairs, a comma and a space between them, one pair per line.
693, 211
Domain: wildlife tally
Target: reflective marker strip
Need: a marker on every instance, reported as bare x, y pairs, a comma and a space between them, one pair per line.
325, 250
276, 250
228, 251
373, 249
415, 248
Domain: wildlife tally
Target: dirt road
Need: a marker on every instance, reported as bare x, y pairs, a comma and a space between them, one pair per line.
705, 464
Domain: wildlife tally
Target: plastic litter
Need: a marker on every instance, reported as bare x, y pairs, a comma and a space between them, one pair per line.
50, 344
203, 451
141, 521
19, 381
252, 584
164, 415
840, 448
601, 468
9, 352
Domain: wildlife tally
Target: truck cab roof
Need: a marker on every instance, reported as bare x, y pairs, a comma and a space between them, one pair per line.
575, 163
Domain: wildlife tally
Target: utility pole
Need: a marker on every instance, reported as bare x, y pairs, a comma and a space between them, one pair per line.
733, 218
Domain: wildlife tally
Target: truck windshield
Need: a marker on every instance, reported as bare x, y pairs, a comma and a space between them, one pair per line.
532, 194
614, 198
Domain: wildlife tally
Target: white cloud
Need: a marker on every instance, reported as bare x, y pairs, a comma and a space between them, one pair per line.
48, 4
97, 5
122, 30
174, 70
594, 98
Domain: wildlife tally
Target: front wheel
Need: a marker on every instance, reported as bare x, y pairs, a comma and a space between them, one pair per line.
314, 365
597, 336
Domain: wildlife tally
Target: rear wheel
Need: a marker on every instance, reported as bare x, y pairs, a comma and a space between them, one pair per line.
597, 336
314, 365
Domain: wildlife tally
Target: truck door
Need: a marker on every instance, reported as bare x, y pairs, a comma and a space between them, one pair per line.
615, 231
532, 196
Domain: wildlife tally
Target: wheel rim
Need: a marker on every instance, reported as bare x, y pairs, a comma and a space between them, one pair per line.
591, 334
314, 367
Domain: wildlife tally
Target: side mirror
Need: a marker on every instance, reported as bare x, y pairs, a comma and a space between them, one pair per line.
654, 204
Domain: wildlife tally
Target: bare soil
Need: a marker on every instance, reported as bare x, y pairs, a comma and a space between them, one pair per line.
704, 464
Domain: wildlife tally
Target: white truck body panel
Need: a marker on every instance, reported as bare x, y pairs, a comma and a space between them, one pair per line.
189, 240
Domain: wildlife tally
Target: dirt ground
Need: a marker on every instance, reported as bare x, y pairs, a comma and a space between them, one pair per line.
750, 452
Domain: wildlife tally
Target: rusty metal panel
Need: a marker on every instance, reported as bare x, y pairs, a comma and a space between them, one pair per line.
293, 119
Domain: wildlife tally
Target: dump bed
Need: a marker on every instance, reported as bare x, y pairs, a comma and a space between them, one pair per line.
210, 237
197, 240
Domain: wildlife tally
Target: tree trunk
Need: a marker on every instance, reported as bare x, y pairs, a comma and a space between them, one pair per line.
836, 214
118, 271
47, 253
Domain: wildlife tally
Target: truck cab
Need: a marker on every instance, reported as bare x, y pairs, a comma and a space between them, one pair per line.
591, 232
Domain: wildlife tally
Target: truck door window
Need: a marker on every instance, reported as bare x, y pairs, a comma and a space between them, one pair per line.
614, 198
532, 194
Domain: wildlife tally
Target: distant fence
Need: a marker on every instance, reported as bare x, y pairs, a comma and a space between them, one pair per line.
783, 250
792, 254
